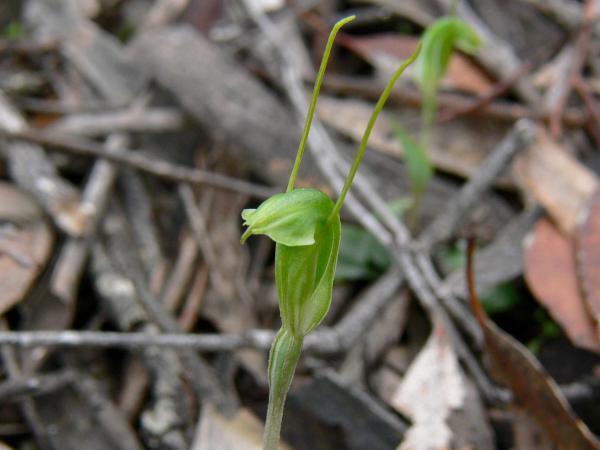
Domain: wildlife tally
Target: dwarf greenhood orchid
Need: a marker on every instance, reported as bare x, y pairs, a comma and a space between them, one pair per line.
305, 225
439, 42
307, 239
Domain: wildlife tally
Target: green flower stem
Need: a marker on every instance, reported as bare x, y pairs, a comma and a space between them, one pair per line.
365, 138
428, 112
313, 102
413, 212
453, 7
285, 353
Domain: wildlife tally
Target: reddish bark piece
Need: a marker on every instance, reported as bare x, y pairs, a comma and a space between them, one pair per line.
533, 390
549, 265
24, 245
587, 245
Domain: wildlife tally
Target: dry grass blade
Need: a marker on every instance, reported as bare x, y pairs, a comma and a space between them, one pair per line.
533, 389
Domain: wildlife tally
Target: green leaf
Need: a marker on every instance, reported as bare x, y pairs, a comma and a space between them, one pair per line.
290, 218
451, 258
304, 277
361, 257
14, 31
439, 41
419, 167
547, 329
501, 299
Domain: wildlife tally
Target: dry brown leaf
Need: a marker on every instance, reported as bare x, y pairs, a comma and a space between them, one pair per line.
527, 433
549, 265
538, 394
244, 431
555, 179
469, 424
25, 245
386, 51
432, 388
587, 245
458, 147
16, 206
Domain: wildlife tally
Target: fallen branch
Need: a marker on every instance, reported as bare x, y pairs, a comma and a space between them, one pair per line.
137, 160
333, 340
257, 339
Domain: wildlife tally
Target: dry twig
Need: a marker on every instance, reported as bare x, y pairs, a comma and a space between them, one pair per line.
446, 222
134, 119
137, 160
574, 69
71, 259
324, 341
406, 96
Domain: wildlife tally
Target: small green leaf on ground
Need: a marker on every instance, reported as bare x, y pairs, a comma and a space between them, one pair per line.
418, 164
361, 256
13, 31
501, 298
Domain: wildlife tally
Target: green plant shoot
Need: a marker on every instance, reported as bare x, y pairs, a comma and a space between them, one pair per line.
305, 225
419, 167
439, 41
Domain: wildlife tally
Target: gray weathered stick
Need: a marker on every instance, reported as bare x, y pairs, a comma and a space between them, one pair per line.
221, 96
137, 160
33, 171
134, 119
70, 262
323, 341
442, 227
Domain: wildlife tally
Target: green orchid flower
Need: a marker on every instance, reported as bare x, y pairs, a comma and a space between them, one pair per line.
307, 244
305, 226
